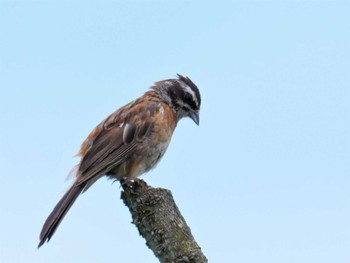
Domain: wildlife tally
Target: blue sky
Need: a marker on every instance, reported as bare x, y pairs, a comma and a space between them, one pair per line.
264, 178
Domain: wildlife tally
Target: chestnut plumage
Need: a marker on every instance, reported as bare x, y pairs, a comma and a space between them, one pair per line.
130, 142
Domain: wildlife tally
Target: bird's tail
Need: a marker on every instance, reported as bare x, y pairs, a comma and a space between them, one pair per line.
58, 213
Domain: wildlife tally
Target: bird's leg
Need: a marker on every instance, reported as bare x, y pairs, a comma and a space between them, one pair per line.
126, 182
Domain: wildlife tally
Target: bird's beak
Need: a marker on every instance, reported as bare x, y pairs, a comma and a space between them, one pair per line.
194, 115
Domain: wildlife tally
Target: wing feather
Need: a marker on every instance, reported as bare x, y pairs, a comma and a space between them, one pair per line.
112, 160
106, 142
110, 148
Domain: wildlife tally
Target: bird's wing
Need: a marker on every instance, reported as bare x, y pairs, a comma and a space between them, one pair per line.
112, 145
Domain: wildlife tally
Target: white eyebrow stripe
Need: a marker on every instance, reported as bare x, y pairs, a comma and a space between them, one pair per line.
189, 90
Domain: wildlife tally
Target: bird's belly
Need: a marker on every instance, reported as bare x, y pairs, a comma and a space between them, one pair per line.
139, 163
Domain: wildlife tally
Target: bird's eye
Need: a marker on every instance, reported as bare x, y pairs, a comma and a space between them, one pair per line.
188, 96
188, 100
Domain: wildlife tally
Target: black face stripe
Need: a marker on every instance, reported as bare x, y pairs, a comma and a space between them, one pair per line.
188, 99
193, 87
182, 93
176, 93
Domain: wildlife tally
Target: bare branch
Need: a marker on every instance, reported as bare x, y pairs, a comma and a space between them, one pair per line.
160, 222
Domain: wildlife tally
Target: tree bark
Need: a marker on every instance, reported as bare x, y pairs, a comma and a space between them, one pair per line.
160, 222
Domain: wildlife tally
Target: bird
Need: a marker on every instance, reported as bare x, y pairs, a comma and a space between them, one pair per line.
129, 142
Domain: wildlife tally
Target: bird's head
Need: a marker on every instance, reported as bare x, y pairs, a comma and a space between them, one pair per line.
182, 95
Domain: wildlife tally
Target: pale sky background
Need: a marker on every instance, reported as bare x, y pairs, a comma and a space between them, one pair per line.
264, 178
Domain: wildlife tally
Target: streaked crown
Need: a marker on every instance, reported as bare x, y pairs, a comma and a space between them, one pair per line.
182, 95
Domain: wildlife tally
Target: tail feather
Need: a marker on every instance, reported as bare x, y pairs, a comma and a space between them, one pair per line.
58, 213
